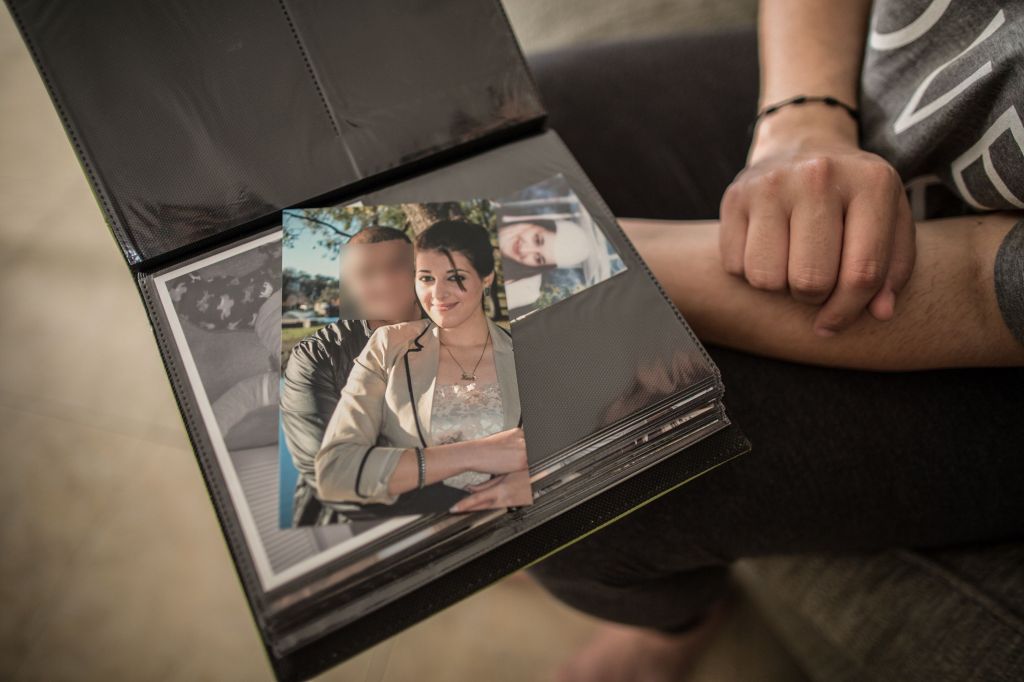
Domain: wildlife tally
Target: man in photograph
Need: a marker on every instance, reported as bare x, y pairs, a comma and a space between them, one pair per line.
377, 279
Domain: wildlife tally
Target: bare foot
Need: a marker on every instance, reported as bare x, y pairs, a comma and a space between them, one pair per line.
625, 653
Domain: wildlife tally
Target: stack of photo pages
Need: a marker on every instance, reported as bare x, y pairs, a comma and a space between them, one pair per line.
412, 347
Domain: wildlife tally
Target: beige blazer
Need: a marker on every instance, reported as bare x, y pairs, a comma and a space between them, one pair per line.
385, 408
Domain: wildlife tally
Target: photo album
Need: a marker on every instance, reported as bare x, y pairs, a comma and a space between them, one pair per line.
412, 348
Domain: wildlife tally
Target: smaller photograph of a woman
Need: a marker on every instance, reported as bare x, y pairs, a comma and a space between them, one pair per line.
550, 245
429, 419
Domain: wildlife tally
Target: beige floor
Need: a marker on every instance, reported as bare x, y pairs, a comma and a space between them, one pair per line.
112, 565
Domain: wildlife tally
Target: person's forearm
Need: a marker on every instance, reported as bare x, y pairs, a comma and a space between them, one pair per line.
947, 317
810, 47
442, 461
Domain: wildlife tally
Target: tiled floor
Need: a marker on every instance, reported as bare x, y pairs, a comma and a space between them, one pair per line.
112, 565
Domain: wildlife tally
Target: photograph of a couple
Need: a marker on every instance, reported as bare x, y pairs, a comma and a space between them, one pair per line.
399, 394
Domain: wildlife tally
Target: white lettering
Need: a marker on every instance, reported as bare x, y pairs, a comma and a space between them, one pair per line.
912, 31
911, 115
1009, 120
917, 190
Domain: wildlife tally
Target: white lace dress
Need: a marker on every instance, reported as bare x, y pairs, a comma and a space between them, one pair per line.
466, 411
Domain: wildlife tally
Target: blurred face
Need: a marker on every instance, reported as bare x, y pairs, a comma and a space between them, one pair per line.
378, 279
527, 243
437, 286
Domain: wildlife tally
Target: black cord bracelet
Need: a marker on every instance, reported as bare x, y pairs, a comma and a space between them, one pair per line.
802, 99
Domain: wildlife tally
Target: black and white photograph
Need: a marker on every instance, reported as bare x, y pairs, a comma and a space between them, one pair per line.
224, 312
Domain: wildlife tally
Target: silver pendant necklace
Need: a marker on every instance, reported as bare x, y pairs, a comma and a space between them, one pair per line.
469, 376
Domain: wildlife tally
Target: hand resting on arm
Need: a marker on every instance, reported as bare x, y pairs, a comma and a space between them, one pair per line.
947, 315
812, 214
352, 464
499, 453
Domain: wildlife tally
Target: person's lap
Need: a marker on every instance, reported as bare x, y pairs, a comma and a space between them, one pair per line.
843, 461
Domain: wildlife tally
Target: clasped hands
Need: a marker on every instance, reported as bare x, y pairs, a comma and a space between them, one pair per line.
818, 217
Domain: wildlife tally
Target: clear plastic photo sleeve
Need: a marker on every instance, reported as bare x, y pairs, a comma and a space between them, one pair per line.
645, 406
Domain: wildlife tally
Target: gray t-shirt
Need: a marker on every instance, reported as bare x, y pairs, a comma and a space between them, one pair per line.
942, 99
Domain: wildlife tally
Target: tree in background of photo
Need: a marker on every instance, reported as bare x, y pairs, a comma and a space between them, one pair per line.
328, 229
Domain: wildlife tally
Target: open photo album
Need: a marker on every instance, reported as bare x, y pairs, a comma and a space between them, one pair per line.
412, 348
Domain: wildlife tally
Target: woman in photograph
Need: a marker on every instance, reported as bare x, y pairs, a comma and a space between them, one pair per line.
433, 401
529, 248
